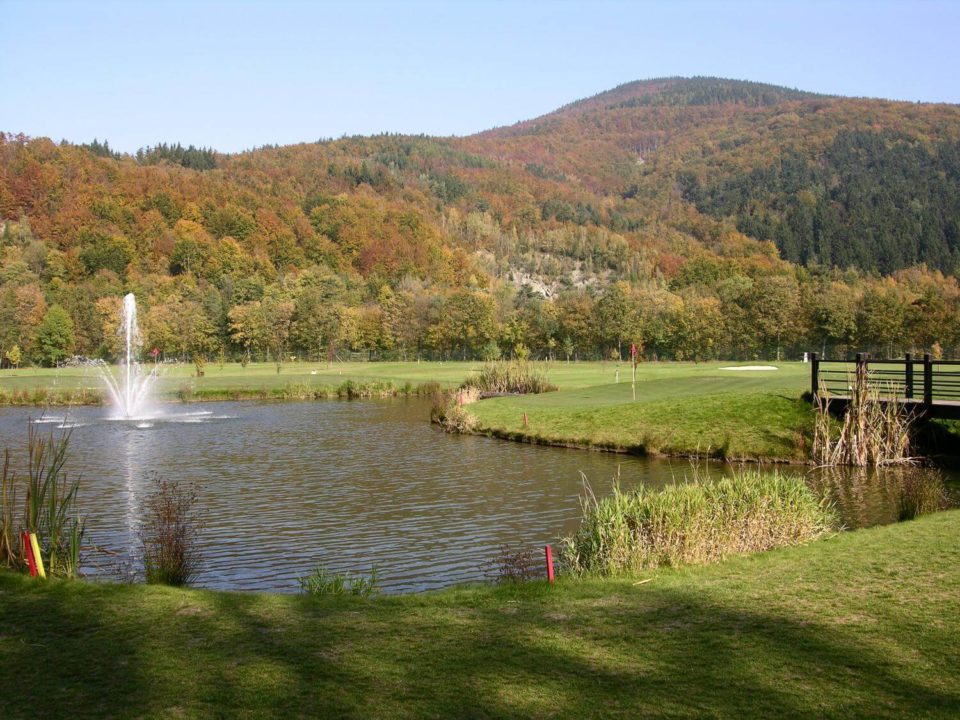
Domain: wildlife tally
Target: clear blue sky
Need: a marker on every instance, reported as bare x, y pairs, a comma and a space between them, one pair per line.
234, 75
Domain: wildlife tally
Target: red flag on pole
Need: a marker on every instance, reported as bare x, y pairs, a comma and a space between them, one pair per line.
633, 349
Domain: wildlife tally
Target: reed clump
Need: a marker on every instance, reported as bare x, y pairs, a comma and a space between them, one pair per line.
171, 548
696, 523
509, 377
457, 419
873, 431
349, 389
49, 507
324, 582
448, 411
8, 499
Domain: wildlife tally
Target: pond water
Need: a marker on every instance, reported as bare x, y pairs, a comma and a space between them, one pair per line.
349, 484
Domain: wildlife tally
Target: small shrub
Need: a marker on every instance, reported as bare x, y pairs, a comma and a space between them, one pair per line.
171, 550
515, 565
456, 419
353, 390
323, 582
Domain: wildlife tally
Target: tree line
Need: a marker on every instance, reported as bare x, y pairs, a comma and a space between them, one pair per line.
710, 309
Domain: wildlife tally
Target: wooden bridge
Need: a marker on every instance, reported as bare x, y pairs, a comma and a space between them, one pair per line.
927, 387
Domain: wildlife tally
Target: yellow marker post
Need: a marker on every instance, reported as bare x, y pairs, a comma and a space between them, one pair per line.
36, 554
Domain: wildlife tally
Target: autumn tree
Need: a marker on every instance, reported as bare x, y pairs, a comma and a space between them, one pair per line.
246, 324
14, 356
54, 336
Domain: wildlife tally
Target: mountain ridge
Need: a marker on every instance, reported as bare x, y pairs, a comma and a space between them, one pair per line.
688, 198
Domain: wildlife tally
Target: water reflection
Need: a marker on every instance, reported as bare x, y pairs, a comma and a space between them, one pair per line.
351, 484
879, 496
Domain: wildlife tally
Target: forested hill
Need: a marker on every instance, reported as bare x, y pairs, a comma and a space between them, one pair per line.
846, 182
698, 216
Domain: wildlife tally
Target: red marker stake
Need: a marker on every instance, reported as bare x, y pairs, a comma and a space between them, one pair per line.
28, 553
549, 553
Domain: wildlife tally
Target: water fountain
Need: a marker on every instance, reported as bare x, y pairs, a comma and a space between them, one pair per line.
131, 394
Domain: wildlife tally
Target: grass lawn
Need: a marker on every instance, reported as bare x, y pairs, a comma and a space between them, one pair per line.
864, 624
568, 376
676, 409
233, 376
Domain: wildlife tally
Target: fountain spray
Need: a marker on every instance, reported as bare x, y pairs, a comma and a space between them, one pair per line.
131, 400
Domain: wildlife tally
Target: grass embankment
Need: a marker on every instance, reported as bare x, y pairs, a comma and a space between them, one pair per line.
40, 396
348, 390
862, 624
677, 409
257, 381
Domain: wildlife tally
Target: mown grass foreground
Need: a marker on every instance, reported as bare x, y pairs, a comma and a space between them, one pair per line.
862, 624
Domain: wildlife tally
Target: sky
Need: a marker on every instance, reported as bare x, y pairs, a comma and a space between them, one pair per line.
236, 75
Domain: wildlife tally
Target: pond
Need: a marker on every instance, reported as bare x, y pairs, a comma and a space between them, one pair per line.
349, 484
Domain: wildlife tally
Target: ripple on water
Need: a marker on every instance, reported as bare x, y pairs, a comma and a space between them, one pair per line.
347, 484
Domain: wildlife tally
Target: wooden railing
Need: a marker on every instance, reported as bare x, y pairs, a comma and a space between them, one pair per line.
932, 386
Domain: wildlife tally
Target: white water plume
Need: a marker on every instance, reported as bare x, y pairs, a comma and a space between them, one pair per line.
131, 393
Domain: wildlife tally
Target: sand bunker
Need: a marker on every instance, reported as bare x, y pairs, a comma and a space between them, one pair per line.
751, 367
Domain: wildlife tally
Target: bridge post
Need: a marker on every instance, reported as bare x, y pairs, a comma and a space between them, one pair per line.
927, 382
908, 376
814, 376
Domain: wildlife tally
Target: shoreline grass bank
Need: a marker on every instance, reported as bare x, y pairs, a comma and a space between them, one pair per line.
724, 425
862, 624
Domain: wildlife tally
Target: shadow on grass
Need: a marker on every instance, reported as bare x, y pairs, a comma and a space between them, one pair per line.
134, 652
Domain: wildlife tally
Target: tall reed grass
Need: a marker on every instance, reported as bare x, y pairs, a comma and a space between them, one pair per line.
696, 523
349, 389
8, 500
509, 377
49, 507
874, 431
